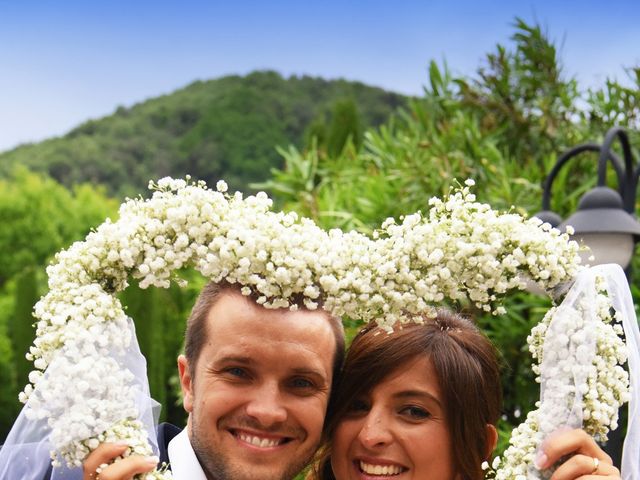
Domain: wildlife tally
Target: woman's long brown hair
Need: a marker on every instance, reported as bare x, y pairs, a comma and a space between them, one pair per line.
468, 374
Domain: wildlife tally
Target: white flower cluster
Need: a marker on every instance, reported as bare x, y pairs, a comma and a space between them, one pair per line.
131, 431
82, 319
583, 382
460, 249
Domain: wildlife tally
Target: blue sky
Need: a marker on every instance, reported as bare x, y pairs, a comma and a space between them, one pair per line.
63, 62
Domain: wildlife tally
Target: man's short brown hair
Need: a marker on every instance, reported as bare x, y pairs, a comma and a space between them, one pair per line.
196, 332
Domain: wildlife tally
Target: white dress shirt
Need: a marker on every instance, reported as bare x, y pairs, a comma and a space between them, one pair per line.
183, 460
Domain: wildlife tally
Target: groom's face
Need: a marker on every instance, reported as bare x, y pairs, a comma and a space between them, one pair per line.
258, 393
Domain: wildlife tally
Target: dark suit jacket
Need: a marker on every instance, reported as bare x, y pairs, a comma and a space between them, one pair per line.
166, 432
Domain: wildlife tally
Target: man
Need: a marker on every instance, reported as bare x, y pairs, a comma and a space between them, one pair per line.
256, 384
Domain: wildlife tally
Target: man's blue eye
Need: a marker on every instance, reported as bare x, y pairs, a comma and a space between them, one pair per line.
237, 372
301, 383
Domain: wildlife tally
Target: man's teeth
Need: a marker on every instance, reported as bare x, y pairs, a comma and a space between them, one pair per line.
259, 442
380, 469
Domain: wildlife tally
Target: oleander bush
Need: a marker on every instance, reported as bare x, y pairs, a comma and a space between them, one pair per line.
503, 127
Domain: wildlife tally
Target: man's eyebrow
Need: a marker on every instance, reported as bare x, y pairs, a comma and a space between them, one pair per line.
308, 371
419, 394
234, 359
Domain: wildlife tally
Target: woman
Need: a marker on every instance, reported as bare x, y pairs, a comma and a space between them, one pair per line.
422, 403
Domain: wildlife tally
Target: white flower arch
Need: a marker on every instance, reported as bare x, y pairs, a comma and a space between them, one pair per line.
459, 249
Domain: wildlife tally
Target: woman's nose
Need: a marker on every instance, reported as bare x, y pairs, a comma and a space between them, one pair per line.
375, 430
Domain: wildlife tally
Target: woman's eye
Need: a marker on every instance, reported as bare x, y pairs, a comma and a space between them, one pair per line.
416, 413
358, 406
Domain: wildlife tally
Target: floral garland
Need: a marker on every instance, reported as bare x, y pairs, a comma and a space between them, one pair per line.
461, 249
582, 362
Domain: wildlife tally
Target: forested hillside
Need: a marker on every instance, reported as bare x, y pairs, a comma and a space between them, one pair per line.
228, 127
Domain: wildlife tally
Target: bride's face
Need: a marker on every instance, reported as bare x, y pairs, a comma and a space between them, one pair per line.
398, 430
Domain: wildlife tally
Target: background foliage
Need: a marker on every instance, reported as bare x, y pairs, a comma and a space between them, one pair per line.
228, 127
343, 159
38, 217
505, 128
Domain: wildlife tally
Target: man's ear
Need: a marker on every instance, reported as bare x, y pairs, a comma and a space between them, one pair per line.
492, 440
186, 383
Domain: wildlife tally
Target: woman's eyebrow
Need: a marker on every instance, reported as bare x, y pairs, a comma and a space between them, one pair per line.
417, 393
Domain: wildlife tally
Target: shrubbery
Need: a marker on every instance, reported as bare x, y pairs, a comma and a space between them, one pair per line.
504, 128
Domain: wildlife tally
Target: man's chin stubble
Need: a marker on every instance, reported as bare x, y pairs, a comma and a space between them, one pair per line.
216, 467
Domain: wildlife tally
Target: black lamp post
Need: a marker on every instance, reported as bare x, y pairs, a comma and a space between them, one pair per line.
605, 220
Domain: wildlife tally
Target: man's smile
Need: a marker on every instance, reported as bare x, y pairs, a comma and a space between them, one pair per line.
259, 440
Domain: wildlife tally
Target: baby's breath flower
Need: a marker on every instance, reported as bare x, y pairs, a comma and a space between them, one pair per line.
221, 186
460, 249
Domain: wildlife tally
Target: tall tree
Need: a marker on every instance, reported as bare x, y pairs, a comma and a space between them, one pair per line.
345, 125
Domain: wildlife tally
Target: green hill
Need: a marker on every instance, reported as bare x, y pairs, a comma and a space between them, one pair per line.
224, 128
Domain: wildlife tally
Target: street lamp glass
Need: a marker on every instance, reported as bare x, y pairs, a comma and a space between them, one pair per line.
607, 248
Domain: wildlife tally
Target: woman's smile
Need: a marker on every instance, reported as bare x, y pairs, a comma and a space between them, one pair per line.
398, 429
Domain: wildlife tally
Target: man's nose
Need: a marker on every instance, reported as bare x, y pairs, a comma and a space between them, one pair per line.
376, 430
267, 405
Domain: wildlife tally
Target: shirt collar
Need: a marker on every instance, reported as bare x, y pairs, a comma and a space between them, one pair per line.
183, 460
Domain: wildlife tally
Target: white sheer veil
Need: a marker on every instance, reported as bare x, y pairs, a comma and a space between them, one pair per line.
618, 289
583, 293
25, 454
